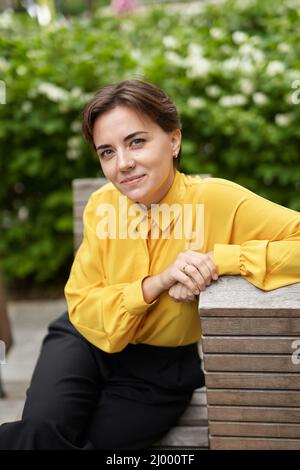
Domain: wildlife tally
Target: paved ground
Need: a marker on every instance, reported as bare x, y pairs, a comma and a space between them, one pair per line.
29, 322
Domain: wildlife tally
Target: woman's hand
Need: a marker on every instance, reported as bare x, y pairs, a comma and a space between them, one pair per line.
180, 293
192, 270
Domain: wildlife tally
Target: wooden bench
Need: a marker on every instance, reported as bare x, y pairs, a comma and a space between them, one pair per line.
252, 400
252, 367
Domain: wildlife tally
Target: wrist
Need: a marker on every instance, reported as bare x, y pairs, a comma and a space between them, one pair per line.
152, 288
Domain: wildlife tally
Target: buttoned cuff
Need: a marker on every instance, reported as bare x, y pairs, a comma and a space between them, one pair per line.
134, 299
227, 259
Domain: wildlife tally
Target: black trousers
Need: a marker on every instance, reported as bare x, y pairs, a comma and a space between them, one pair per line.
81, 397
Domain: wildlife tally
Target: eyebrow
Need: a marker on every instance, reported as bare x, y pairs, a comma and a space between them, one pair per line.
128, 137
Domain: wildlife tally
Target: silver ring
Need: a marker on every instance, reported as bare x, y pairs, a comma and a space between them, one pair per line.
184, 267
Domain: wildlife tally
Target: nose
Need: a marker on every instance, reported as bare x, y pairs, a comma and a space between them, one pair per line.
125, 160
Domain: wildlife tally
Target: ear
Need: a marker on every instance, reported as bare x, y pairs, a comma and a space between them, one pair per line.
176, 141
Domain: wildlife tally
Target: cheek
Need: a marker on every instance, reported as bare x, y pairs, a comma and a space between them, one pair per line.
107, 171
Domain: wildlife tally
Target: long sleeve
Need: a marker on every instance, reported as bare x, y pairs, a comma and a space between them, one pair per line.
106, 315
264, 242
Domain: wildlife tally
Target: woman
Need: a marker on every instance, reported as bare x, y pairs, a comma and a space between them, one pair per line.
119, 369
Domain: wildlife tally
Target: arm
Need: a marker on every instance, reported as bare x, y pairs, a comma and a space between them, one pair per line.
264, 240
106, 315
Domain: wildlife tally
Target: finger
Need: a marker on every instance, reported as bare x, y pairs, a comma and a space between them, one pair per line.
185, 294
186, 281
204, 276
213, 269
174, 291
203, 259
196, 276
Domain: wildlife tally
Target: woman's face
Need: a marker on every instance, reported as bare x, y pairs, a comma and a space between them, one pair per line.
130, 145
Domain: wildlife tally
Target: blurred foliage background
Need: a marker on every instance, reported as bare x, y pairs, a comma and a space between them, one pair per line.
232, 67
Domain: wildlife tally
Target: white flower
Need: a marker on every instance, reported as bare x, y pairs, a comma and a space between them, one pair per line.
239, 37
284, 47
252, 52
196, 103
226, 49
213, 91
255, 40
193, 8
76, 92
34, 54
127, 25
175, 59
293, 74
53, 92
198, 67
73, 154
275, 67
195, 50
258, 56
23, 213
246, 49
21, 70
246, 86
43, 14
236, 64
136, 54
216, 33
2, 92
260, 98
283, 120
7, 19
233, 100
170, 42
4, 64
26, 107
232, 64
74, 142
247, 66
76, 126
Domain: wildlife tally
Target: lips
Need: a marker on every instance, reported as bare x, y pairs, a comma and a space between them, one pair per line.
132, 179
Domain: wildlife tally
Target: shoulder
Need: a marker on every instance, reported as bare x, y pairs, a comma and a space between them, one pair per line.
106, 194
216, 186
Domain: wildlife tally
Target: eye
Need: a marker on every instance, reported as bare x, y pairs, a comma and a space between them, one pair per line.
137, 141
104, 153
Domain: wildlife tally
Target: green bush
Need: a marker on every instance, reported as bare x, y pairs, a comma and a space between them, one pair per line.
230, 67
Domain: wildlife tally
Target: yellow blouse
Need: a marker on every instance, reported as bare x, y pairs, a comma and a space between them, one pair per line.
249, 235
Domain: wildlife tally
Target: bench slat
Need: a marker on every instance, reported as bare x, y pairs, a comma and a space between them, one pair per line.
251, 326
248, 344
218, 300
252, 413
252, 380
219, 428
254, 397
250, 363
231, 443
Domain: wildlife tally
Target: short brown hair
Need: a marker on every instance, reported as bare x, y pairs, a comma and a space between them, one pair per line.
143, 97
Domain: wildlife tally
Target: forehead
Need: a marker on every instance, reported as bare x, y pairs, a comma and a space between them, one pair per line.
121, 120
